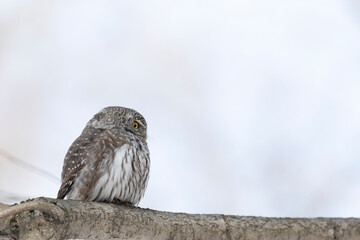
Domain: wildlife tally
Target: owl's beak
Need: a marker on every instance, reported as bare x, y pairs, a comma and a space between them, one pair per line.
145, 138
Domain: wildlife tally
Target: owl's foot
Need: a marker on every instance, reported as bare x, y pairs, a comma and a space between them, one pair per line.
118, 202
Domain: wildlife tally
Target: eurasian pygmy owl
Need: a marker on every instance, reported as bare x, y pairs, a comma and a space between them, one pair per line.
110, 160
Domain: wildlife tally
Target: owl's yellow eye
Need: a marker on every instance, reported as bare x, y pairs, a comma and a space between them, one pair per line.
135, 125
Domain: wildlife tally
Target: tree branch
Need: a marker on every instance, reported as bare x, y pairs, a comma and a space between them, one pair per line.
46, 218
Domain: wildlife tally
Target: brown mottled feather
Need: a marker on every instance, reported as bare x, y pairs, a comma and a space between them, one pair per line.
76, 158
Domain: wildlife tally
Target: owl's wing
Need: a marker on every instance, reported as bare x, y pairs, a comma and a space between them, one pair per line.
68, 183
76, 158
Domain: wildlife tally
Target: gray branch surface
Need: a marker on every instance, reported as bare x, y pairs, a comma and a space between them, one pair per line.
46, 218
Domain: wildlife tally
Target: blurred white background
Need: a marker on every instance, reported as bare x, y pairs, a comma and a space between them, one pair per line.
252, 106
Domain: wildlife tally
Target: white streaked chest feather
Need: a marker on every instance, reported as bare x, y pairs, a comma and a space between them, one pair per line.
124, 177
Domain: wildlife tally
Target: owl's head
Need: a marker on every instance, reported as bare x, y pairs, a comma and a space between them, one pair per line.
120, 118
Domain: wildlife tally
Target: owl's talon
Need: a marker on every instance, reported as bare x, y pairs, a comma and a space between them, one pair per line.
118, 202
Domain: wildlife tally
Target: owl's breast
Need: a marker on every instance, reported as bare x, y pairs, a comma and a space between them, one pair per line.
126, 174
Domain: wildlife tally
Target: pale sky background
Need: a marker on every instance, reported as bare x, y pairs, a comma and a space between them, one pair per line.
252, 106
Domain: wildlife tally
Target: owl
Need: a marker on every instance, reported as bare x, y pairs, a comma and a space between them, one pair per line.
109, 161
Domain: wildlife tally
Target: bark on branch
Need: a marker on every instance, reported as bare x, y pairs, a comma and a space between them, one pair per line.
46, 218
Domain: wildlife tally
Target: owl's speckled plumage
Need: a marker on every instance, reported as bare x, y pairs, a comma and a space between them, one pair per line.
110, 160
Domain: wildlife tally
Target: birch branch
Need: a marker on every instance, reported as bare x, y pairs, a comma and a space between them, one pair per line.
46, 218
